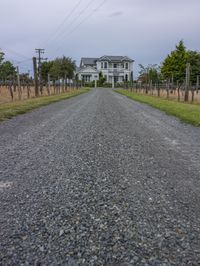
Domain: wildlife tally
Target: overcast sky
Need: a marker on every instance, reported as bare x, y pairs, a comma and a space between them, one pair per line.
144, 30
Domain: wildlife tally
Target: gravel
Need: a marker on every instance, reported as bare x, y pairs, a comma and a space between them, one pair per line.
99, 180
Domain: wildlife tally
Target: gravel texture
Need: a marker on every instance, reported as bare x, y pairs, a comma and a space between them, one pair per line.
99, 180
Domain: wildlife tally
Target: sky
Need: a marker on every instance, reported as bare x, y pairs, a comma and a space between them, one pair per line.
144, 30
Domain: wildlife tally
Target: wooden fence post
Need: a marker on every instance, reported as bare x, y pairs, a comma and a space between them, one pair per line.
35, 76
19, 85
197, 85
187, 82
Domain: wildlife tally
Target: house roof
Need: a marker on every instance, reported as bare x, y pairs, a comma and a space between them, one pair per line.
87, 69
88, 61
115, 58
91, 61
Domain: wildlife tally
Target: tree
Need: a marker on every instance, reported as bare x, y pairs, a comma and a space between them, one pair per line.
68, 67
174, 64
149, 73
1, 57
7, 70
62, 68
101, 80
24, 77
194, 60
45, 70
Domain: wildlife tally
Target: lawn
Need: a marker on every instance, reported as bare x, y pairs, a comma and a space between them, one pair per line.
9, 110
189, 113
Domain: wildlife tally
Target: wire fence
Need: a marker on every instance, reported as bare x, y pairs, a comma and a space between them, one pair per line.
12, 91
22, 90
167, 91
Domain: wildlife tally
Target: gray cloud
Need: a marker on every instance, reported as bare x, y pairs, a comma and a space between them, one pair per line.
116, 14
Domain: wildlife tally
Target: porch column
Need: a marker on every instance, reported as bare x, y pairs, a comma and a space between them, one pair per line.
113, 82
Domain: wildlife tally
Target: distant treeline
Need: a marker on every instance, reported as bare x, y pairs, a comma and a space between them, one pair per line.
173, 67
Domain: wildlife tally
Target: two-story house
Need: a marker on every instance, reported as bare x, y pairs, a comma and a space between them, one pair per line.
114, 68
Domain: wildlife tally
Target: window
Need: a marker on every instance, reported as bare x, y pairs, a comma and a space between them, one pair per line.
105, 65
101, 64
126, 65
114, 65
122, 65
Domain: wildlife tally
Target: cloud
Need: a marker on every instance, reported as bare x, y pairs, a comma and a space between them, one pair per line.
116, 14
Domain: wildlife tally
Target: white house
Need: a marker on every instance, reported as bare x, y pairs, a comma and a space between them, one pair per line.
113, 68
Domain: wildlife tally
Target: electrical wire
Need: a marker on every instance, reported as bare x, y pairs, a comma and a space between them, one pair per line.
59, 27
14, 52
86, 18
83, 10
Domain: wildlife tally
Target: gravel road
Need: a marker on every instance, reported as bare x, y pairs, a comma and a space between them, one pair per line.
99, 180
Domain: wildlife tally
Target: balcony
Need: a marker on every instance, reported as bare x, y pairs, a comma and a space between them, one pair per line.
117, 71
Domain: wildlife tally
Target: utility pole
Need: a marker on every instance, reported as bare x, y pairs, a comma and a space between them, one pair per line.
35, 76
40, 51
187, 82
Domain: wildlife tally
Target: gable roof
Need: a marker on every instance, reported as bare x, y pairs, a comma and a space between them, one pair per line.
115, 58
88, 61
87, 69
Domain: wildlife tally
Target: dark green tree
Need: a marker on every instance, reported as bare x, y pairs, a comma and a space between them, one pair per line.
174, 64
194, 60
7, 70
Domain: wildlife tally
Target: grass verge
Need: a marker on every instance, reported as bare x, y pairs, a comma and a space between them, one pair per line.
9, 110
189, 113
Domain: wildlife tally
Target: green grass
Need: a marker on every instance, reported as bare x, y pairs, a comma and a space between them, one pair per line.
9, 110
189, 113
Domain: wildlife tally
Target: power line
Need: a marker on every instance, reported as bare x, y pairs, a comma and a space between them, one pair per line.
62, 23
14, 52
78, 15
20, 62
87, 17
16, 62
82, 12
